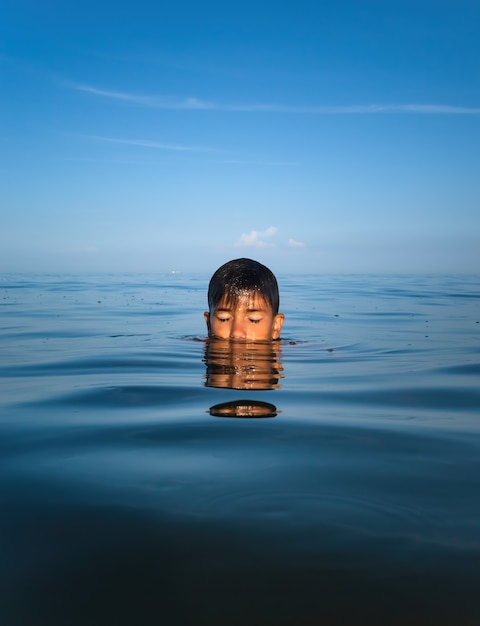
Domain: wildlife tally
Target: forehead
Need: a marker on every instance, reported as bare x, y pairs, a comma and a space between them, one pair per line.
251, 300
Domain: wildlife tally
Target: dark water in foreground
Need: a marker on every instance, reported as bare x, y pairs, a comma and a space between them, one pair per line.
348, 492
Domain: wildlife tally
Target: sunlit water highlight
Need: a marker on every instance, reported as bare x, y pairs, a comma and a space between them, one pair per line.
127, 497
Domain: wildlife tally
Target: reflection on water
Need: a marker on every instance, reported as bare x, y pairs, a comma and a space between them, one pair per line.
244, 408
243, 365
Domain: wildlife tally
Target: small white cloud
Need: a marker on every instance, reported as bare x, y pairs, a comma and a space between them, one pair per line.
256, 239
295, 244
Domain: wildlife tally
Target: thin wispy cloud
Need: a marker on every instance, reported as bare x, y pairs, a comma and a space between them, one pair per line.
257, 162
159, 102
146, 143
158, 145
257, 239
293, 243
197, 104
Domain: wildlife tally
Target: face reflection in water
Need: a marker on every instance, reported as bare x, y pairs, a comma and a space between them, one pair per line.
243, 365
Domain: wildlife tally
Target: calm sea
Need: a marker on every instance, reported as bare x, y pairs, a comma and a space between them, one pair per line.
150, 477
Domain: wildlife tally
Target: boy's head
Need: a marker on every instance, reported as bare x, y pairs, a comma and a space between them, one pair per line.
243, 302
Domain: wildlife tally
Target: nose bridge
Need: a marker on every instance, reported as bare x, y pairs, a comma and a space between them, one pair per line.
238, 327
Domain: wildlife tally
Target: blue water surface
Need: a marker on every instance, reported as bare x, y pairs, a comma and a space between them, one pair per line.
150, 477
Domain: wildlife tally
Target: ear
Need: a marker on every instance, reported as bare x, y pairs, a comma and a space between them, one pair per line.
206, 315
277, 325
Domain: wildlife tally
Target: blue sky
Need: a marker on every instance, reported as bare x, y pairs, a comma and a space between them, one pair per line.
320, 136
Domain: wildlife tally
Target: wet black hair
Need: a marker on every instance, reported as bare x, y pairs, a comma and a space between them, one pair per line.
239, 277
